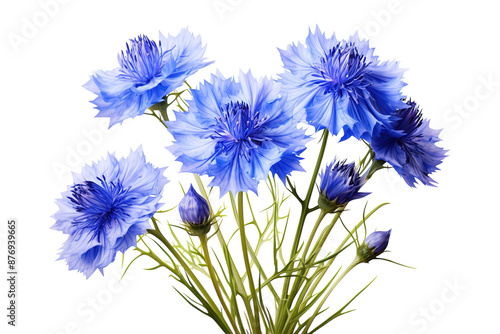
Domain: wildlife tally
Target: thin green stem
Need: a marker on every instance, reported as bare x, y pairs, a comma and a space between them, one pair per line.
354, 263
213, 277
156, 232
314, 254
313, 233
305, 206
298, 281
282, 312
241, 223
339, 248
220, 237
261, 270
235, 274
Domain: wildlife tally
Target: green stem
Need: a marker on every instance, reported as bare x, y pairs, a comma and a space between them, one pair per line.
281, 316
305, 205
188, 270
261, 270
342, 244
213, 276
313, 233
220, 237
239, 282
354, 263
298, 281
324, 235
241, 223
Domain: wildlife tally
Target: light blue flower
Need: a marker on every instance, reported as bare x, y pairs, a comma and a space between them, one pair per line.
340, 84
109, 204
148, 71
236, 132
409, 145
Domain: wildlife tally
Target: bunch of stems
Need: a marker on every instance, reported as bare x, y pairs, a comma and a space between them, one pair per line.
239, 305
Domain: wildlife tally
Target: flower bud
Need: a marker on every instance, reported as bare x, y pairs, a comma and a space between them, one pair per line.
340, 184
374, 245
195, 212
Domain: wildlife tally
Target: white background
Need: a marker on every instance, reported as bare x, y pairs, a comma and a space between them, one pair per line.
449, 233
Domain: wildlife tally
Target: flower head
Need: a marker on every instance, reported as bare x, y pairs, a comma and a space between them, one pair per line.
148, 71
109, 204
236, 132
340, 184
374, 245
193, 208
340, 84
409, 145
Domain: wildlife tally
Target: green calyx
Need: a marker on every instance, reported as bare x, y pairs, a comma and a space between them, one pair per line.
200, 229
376, 166
365, 254
329, 206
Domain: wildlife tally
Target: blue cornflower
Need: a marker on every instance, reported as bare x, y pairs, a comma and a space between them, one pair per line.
236, 132
340, 84
409, 145
340, 184
193, 208
148, 71
109, 204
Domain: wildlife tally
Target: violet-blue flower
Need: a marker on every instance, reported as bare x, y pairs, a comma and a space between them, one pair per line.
148, 71
237, 132
109, 204
193, 208
340, 84
340, 183
409, 145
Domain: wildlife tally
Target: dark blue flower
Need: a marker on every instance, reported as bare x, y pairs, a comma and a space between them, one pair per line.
340, 184
109, 204
409, 145
148, 71
236, 132
193, 208
340, 84
377, 241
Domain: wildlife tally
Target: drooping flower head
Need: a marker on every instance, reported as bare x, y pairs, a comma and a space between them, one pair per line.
340, 184
340, 84
193, 208
409, 145
148, 71
109, 204
236, 132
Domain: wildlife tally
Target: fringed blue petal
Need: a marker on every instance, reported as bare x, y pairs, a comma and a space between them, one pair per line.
148, 71
110, 203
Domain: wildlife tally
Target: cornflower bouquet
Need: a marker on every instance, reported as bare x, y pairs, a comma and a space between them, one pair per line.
239, 132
